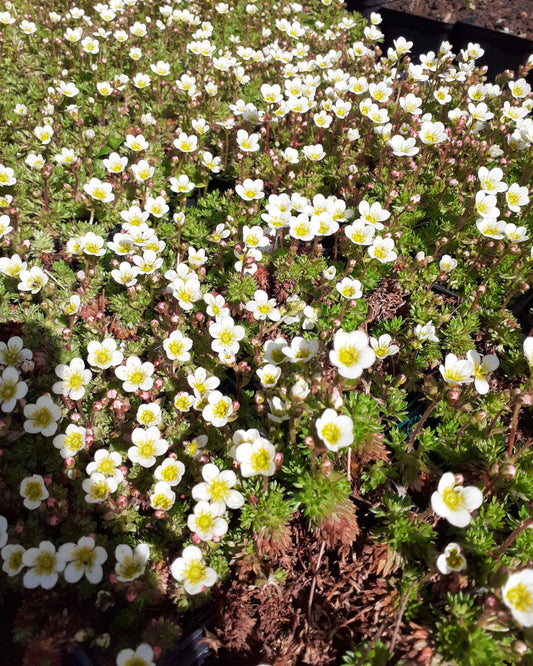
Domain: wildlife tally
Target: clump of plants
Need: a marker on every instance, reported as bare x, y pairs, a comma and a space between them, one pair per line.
265, 336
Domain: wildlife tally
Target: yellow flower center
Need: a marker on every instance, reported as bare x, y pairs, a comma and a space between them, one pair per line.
260, 460
42, 418
349, 355
169, 473
84, 557
520, 598
204, 521
75, 381
129, 568
146, 449
380, 252
34, 491
135, 661
99, 193
453, 498
99, 490
106, 467
45, 564
220, 409
194, 572
161, 501
8, 390
453, 559
137, 377
102, 356
226, 337
513, 198
218, 490
74, 442
15, 560
331, 433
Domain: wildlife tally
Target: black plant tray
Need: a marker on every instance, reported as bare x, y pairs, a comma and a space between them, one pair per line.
502, 51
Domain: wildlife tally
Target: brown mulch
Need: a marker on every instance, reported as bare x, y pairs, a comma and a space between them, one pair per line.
515, 18
317, 614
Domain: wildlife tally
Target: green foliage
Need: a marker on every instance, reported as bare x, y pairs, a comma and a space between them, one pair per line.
321, 497
269, 514
364, 411
369, 653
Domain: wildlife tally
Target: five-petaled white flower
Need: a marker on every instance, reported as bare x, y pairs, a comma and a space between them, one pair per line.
42, 416
74, 378
206, 520
456, 372
11, 389
84, 558
482, 367
44, 565
191, 571
131, 563
34, 491
136, 375
99, 190
256, 457
217, 488
455, 502
517, 594
351, 353
335, 430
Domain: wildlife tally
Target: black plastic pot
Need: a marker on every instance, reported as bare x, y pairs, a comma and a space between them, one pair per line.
190, 652
523, 311
502, 51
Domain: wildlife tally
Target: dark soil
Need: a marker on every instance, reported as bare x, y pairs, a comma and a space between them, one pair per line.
511, 16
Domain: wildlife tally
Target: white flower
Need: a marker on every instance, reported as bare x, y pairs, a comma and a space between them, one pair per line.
349, 288
262, 307
191, 570
481, 369
516, 234
373, 215
336, 431
182, 184
256, 457
147, 444
491, 181
269, 375
491, 227
360, 233
99, 190
382, 347
218, 410
98, 487
170, 471
3, 531
32, 280
186, 291
148, 263
177, 347
136, 143
7, 177
71, 442
432, 133
142, 656
447, 263
115, 163
11, 389
186, 143
206, 521
382, 249
106, 463
248, 143
426, 332
454, 502
156, 206
402, 147
301, 350
314, 153
351, 353
217, 488
83, 559
278, 410
451, 560
136, 375
162, 497
73, 305
13, 352
125, 274
44, 134
456, 372
226, 335
142, 171
44, 565
12, 266
131, 563
42, 416
104, 354
12, 556
34, 491
517, 594
528, 350
250, 189
273, 351
149, 414
141, 81
160, 68
74, 379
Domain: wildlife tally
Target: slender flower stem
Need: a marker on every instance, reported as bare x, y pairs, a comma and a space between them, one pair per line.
422, 421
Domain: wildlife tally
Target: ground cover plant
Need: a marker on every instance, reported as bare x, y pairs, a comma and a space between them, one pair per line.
266, 345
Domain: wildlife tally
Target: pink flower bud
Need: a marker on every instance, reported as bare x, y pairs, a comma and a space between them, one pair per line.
111, 394
196, 539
